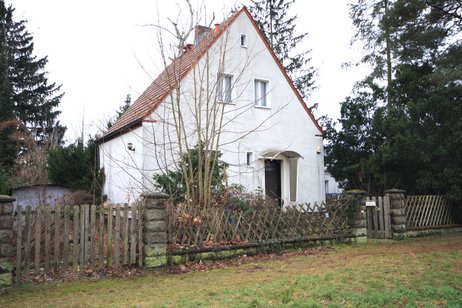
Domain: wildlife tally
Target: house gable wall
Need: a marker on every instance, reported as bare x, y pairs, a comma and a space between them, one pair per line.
284, 125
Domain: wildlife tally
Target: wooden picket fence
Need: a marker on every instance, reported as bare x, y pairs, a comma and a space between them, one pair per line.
217, 226
75, 237
378, 217
431, 211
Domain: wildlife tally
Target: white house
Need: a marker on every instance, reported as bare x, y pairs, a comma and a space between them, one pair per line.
269, 137
331, 185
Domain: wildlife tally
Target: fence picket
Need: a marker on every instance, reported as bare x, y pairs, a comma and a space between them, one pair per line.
47, 223
109, 235
18, 243
92, 234
387, 217
75, 239
66, 237
101, 237
133, 235
447, 214
86, 252
425, 204
125, 235
439, 210
117, 237
82, 240
28, 232
56, 238
37, 242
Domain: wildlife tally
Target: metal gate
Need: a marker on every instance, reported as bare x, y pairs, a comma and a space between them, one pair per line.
378, 217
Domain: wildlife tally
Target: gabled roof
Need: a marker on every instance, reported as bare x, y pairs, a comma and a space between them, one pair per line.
168, 80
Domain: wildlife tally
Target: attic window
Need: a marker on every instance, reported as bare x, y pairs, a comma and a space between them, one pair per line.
243, 40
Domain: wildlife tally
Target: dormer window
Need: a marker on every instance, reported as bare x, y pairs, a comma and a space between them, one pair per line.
243, 40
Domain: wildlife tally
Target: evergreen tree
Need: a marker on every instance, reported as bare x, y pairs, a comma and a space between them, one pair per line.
371, 18
7, 147
173, 183
414, 142
272, 16
27, 91
120, 112
75, 166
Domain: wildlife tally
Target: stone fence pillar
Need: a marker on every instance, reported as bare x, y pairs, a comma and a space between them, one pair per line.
398, 215
6, 246
359, 227
155, 230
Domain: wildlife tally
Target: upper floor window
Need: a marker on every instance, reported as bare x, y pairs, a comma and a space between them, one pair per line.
261, 93
225, 83
243, 40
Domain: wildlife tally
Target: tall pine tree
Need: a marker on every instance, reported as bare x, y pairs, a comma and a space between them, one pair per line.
272, 16
28, 100
34, 98
7, 147
414, 140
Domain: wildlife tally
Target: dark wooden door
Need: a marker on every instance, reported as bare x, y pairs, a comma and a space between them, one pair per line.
273, 179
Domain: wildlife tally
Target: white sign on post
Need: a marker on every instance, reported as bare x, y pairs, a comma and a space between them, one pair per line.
370, 203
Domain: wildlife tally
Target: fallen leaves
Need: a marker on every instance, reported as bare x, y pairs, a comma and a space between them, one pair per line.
92, 273
203, 266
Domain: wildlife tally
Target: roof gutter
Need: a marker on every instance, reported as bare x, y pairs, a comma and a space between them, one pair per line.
124, 129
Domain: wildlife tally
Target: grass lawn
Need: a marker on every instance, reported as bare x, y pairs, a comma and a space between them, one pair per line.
423, 272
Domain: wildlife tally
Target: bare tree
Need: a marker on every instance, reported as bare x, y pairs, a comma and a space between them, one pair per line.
199, 108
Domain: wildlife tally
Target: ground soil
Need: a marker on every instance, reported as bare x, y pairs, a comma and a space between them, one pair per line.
373, 247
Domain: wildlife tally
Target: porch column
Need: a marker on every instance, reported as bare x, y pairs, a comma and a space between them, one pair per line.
293, 175
6, 246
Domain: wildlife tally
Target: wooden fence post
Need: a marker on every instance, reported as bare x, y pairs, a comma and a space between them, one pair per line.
398, 214
155, 230
6, 246
359, 227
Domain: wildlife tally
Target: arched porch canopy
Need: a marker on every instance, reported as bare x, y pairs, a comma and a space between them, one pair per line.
273, 153
293, 172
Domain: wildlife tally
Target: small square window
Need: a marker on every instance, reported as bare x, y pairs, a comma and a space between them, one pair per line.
224, 88
249, 159
261, 93
243, 40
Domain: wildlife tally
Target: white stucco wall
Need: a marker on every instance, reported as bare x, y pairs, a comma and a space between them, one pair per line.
283, 126
331, 185
124, 168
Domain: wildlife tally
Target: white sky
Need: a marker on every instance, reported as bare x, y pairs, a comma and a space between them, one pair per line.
95, 48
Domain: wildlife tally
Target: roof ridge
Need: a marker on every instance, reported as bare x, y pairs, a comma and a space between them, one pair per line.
163, 85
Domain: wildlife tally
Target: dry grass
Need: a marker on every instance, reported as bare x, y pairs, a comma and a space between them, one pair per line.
418, 273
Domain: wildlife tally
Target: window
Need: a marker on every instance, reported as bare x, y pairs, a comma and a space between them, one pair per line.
261, 93
243, 40
249, 159
225, 88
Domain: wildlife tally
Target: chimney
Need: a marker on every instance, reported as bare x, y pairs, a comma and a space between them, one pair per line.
199, 33
217, 28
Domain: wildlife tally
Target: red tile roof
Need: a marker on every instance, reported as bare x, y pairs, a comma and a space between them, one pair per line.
166, 82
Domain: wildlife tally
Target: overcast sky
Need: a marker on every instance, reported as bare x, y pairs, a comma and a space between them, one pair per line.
102, 50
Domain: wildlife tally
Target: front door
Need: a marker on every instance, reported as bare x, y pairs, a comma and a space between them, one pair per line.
273, 180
